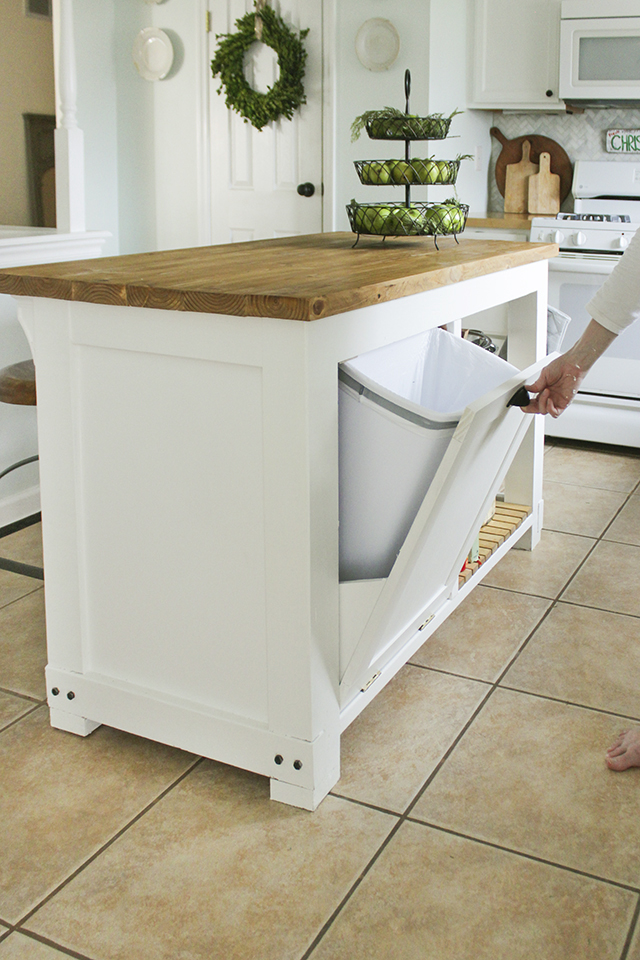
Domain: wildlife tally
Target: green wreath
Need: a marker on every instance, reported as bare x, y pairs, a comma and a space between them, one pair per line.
287, 94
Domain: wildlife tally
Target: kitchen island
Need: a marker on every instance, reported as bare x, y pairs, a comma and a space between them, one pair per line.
188, 430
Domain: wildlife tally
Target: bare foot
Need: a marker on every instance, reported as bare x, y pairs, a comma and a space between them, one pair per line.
625, 752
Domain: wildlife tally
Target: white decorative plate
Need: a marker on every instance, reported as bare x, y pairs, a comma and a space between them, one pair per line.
152, 53
377, 44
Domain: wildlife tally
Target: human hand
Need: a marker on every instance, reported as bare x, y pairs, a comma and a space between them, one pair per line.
556, 387
558, 382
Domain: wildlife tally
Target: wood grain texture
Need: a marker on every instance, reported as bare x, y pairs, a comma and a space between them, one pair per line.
544, 189
512, 151
293, 278
516, 185
18, 384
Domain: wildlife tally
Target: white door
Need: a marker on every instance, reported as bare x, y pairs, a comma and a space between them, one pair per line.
256, 174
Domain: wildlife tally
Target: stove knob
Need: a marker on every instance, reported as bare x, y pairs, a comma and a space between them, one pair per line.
557, 236
579, 238
622, 242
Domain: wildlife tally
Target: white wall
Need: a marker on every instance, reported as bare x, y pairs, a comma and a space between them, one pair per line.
450, 61
359, 89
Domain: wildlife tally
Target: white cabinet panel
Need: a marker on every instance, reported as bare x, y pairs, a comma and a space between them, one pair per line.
516, 54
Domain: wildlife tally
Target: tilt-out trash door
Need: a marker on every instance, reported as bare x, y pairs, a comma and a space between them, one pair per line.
425, 573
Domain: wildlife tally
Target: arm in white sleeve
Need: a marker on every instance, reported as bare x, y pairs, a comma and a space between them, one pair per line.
617, 302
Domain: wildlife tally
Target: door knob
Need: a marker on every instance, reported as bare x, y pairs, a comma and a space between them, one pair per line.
306, 189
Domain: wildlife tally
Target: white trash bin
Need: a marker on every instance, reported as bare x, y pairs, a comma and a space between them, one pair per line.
398, 409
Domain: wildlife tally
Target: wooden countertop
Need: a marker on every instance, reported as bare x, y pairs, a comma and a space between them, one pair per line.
293, 278
501, 221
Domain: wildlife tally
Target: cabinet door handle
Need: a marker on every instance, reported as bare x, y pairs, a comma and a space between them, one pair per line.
306, 189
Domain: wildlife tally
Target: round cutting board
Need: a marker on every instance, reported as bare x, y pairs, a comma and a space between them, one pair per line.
512, 153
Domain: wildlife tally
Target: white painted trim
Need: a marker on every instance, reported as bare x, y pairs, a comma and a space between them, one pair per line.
69, 140
329, 88
203, 131
25, 246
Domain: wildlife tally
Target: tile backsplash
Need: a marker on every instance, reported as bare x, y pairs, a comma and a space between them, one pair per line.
583, 136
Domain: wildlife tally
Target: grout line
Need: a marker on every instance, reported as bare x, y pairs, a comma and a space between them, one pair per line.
632, 927
527, 856
571, 703
109, 842
325, 927
22, 696
448, 673
28, 593
18, 525
66, 951
590, 552
16, 720
365, 803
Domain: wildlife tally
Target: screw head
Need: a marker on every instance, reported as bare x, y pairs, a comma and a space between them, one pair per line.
71, 695
297, 764
278, 759
55, 691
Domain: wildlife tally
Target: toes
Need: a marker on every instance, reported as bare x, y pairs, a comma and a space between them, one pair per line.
618, 763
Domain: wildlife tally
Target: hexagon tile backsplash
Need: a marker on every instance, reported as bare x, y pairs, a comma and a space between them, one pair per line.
583, 136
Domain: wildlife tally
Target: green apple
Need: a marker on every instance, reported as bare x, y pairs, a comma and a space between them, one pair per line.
371, 218
405, 221
401, 172
375, 171
445, 218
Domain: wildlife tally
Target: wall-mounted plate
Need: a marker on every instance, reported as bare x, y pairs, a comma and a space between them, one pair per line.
377, 44
152, 54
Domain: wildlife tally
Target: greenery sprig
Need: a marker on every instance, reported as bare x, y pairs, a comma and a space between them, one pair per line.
287, 93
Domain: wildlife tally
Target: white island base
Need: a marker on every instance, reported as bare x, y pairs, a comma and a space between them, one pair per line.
189, 479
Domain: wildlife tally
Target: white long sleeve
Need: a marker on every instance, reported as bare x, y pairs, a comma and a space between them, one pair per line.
617, 302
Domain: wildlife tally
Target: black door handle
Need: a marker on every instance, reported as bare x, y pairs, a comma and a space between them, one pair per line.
520, 398
306, 189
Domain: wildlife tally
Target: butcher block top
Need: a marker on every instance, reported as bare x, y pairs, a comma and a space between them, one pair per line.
293, 278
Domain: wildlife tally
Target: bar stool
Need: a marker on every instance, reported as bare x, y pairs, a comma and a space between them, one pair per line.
18, 386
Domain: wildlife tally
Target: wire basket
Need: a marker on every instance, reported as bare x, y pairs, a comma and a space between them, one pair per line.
408, 128
407, 172
398, 220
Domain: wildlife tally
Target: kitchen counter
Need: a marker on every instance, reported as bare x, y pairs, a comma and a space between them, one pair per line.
296, 278
501, 221
190, 479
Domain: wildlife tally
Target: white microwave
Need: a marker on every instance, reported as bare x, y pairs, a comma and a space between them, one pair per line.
600, 52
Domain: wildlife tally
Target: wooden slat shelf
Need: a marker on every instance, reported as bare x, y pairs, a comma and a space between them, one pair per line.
506, 519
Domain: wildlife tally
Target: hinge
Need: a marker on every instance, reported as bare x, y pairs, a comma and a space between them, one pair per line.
369, 682
207, 21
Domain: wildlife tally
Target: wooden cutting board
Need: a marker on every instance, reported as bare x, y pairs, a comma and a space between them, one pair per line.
544, 189
516, 190
512, 151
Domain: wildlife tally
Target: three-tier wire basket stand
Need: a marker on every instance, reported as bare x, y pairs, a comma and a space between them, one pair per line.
397, 219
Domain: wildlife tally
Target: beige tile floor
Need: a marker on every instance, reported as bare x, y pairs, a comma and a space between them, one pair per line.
475, 817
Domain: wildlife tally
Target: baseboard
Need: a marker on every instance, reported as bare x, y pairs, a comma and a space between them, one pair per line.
19, 506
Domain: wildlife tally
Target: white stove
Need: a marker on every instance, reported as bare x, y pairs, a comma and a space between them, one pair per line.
592, 239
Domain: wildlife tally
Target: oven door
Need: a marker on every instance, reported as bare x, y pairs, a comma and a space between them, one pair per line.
607, 409
600, 59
